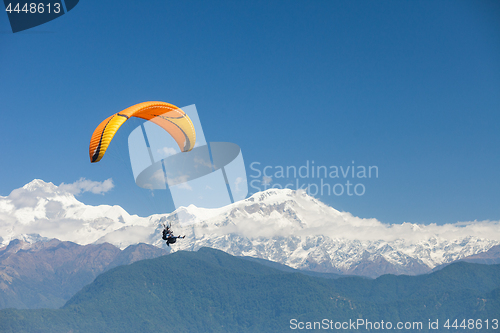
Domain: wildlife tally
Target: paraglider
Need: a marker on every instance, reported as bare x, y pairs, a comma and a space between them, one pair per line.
169, 117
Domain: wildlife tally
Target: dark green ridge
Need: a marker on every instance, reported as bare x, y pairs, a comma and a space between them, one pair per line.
212, 291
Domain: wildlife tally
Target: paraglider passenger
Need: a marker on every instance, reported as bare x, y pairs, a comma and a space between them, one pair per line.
171, 239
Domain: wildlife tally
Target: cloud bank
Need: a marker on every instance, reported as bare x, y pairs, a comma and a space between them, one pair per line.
84, 185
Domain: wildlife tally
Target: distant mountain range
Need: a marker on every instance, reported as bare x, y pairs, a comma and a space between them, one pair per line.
47, 274
212, 291
285, 226
490, 257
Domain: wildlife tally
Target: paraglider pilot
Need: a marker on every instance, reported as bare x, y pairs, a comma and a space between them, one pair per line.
168, 235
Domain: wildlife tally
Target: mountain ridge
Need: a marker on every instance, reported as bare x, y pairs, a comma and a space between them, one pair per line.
46, 274
284, 226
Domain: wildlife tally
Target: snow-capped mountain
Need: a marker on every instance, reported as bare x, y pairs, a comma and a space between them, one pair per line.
297, 230
40, 211
285, 226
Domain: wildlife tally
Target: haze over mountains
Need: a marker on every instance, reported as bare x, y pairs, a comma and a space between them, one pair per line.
284, 226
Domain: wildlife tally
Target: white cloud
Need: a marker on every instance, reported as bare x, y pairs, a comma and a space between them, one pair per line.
181, 182
203, 162
29, 195
167, 151
84, 185
158, 177
237, 182
266, 180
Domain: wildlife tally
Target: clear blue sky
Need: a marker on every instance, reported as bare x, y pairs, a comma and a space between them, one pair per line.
412, 87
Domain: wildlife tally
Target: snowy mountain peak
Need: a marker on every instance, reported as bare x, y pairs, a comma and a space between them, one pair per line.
272, 203
38, 184
274, 195
41, 210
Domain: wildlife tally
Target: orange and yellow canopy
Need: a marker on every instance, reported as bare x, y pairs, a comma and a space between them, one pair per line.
172, 119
